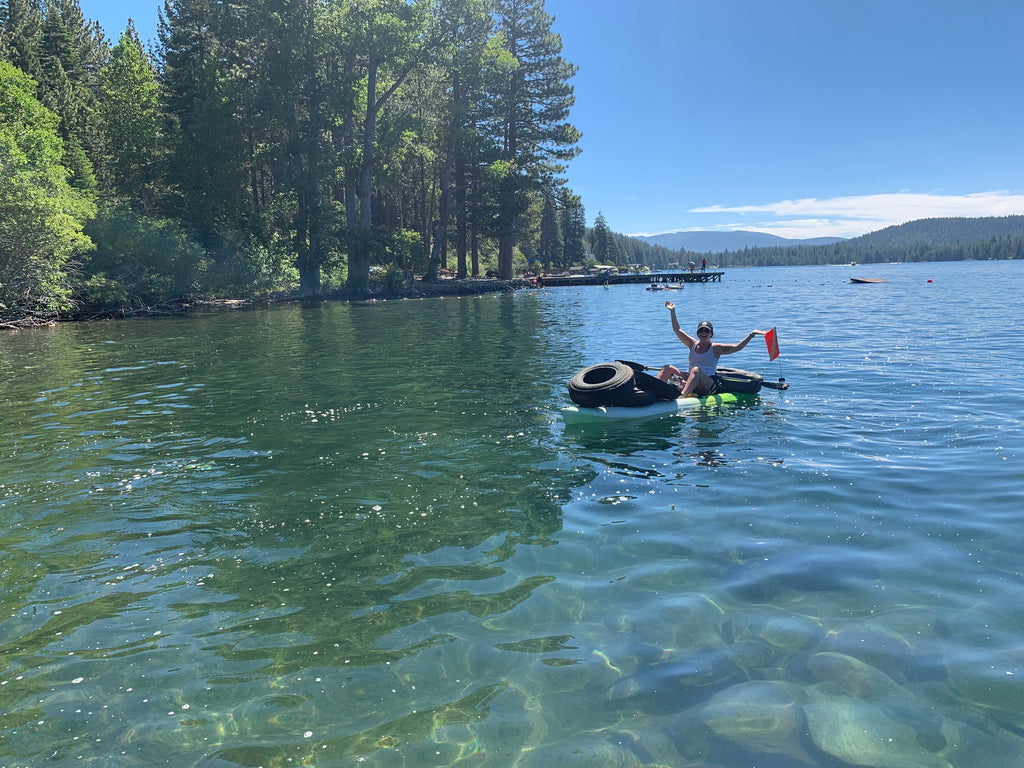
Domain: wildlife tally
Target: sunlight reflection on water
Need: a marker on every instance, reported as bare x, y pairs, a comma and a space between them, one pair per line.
361, 532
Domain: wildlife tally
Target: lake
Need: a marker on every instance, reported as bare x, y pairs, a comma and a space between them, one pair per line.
361, 535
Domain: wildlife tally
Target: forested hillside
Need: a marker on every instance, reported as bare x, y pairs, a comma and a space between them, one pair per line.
608, 247
947, 231
946, 239
300, 145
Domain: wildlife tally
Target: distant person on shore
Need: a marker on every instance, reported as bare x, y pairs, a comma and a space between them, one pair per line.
702, 376
703, 265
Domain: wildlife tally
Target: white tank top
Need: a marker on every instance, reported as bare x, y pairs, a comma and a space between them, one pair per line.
707, 362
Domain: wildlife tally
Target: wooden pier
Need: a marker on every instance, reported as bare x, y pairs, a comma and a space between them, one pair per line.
660, 278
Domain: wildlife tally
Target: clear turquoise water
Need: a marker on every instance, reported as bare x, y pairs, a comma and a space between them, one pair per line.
361, 535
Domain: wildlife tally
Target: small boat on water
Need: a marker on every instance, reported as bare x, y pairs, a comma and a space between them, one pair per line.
859, 280
621, 391
574, 414
655, 287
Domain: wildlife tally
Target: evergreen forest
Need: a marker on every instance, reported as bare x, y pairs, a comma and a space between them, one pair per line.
279, 145
308, 147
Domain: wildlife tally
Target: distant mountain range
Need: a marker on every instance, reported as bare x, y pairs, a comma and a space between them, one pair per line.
938, 239
717, 242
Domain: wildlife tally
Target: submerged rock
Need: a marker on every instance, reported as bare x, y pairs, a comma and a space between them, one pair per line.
970, 746
584, 751
678, 684
861, 733
855, 678
763, 581
996, 688
765, 716
793, 633
852, 675
879, 647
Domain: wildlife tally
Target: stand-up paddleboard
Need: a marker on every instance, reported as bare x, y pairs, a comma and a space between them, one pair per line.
574, 414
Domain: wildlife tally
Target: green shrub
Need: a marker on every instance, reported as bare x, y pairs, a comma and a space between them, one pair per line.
388, 280
140, 261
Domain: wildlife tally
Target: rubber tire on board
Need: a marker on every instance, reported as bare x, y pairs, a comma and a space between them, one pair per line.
602, 384
637, 398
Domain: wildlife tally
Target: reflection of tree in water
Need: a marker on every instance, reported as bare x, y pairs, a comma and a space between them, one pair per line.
372, 522
333, 489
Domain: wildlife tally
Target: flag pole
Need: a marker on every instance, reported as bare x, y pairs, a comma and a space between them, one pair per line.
771, 339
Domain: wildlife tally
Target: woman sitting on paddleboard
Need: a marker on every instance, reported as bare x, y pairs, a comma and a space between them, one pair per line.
703, 362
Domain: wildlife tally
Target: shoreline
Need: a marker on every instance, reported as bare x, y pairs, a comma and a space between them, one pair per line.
417, 289
414, 289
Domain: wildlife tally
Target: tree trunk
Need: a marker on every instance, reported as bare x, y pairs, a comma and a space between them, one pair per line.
425, 223
474, 240
441, 238
506, 242
309, 279
460, 218
359, 250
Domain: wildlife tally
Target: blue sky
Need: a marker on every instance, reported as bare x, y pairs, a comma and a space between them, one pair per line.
802, 118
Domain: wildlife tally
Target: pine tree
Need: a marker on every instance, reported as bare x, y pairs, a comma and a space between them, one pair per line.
387, 40
201, 79
602, 242
530, 97
550, 233
130, 107
21, 32
72, 52
574, 228
464, 29
291, 105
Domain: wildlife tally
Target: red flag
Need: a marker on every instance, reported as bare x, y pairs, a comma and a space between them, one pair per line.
773, 344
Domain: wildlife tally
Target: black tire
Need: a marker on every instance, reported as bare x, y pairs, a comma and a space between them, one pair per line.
603, 384
738, 382
661, 390
637, 398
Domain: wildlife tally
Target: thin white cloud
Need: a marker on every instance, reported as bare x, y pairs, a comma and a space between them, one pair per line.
799, 229
856, 215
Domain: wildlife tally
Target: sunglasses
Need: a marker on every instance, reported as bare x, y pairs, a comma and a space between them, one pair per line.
703, 330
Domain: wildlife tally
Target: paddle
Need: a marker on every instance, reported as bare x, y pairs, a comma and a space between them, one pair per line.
638, 367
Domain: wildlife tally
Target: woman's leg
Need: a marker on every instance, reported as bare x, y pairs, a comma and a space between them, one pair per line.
697, 383
666, 373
